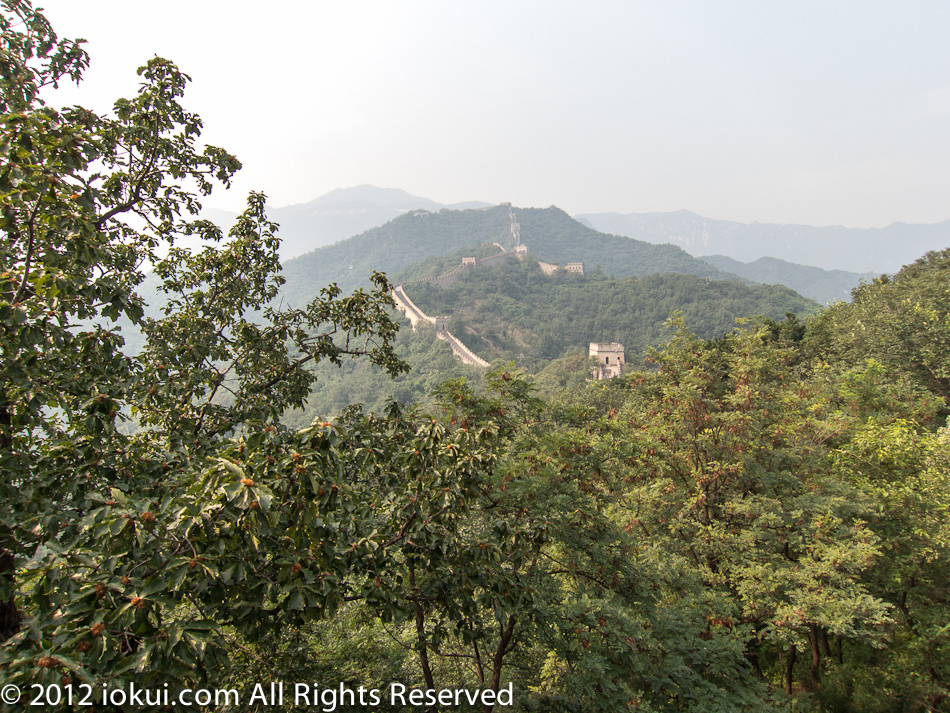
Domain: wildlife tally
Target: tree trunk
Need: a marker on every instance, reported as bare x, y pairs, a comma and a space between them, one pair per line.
9, 616
789, 668
499, 658
752, 656
479, 667
421, 634
814, 672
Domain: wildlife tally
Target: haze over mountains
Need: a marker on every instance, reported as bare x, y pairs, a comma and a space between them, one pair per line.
549, 233
347, 227
832, 247
512, 310
823, 286
340, 214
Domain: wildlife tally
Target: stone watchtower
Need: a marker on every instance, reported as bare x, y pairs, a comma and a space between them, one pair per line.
610, 359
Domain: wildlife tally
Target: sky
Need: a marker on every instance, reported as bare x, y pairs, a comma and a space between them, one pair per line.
808, 112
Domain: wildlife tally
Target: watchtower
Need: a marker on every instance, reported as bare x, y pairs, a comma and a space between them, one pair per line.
610, 359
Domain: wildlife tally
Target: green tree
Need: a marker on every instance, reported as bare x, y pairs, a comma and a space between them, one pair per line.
903, 468
124, 554
731, 472
903, 322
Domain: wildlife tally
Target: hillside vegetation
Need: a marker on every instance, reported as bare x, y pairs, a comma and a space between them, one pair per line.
550, 233
755, 522
335, 387
513, 311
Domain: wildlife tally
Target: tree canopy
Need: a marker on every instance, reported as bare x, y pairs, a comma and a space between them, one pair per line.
756, 521
100, 531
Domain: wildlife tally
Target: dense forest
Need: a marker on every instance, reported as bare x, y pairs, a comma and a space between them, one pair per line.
514, 311
550, 233
356, 381
756, 521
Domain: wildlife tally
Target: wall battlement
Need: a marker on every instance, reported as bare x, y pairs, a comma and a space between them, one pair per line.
416, 315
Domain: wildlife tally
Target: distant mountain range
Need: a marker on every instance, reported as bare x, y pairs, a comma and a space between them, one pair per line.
551, 235
876, 250
822, 263
823, 286
339, 214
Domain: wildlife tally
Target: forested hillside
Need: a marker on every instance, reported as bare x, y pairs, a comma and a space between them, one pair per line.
513, 311
390, 247
336, 387
338, 215
550, 234
553, 236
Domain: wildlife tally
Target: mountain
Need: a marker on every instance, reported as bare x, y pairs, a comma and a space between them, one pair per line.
876, 250
549, 233
514, 311
823, 286
339, 214
345, 212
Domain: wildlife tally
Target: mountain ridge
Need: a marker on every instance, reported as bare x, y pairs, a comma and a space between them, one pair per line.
830, 247
823, 286
340, 214
346, 212
549, 233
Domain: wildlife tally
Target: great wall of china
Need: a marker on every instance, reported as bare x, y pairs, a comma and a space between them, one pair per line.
416, 315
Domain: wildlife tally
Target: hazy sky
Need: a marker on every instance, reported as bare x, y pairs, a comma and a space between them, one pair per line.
808, 112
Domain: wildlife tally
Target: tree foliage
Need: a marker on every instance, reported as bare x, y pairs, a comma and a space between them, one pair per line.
130, 553
903, 322
751, 522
